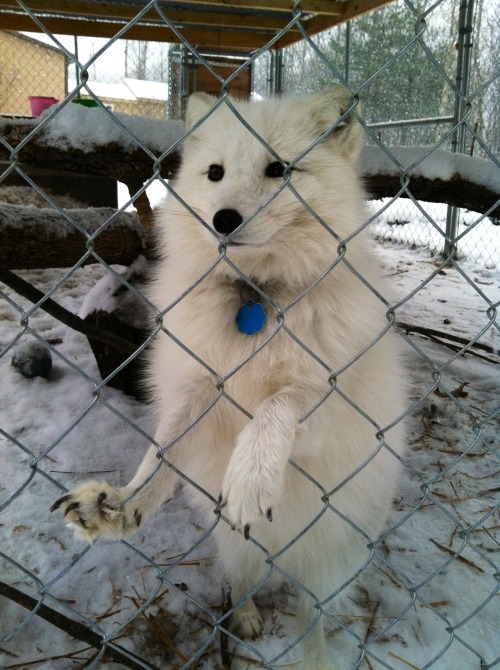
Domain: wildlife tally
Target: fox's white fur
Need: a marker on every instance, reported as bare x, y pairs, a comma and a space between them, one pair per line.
318, 359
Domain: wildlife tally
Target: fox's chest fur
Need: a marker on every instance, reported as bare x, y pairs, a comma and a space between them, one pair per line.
205, 339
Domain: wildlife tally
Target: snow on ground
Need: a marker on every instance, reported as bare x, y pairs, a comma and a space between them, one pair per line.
424, 225
433, 582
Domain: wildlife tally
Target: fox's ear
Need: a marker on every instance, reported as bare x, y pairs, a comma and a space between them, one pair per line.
198, 105
328, 107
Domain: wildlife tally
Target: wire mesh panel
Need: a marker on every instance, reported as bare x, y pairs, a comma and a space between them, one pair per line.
408, 82
426, 595
186, 77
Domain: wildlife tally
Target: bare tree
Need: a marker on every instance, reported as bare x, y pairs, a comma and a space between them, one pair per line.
136, 59
146, 60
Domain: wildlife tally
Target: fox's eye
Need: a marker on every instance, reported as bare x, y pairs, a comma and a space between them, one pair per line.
275, 170
215, 172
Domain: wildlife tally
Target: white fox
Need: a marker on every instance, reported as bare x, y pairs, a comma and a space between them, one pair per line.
287, 425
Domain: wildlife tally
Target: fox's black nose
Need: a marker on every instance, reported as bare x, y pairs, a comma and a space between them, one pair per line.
227, 220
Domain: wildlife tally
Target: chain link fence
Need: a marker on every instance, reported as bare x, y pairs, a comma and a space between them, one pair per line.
428, 598
403, 59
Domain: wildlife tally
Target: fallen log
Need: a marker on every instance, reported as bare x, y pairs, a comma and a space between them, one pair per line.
45, 238
458, 191
108, 160
134, 166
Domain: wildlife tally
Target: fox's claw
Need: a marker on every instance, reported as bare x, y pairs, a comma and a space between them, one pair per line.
59, 502
95, 510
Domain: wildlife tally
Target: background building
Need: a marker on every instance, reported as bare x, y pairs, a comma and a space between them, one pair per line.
28, 67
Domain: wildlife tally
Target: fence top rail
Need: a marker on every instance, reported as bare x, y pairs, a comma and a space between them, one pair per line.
411, 122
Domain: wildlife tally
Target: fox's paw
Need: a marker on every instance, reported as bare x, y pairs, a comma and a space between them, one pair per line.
246, 621
248, 495
93, 509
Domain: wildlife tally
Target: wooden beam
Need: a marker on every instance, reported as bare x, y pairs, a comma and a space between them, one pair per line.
352, 9
79, 9
76, 8
224, 39
327, 7
205, 29
228, 21
112, 10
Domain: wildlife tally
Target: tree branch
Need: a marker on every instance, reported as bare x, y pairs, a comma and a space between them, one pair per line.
439, 336
34, 295
34, 238
74, 628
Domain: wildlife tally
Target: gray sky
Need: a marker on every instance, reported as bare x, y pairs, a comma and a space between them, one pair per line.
109, 66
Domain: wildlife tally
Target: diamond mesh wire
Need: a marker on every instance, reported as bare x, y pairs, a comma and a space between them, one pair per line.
135, 602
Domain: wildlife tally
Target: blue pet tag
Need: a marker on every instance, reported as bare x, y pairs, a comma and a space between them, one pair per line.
251, 318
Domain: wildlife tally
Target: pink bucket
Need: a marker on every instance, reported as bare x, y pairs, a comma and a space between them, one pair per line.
39, 104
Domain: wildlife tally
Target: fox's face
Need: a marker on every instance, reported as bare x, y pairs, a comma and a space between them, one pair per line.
248, 187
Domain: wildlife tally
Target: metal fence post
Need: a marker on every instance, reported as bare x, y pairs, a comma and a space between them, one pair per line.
278, 72
465, 27
275, 79
270, 73
347, 60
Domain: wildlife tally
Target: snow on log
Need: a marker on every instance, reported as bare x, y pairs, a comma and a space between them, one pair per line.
433, 176
88, 142
126, 148
45, 238
94, 141
131, 166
